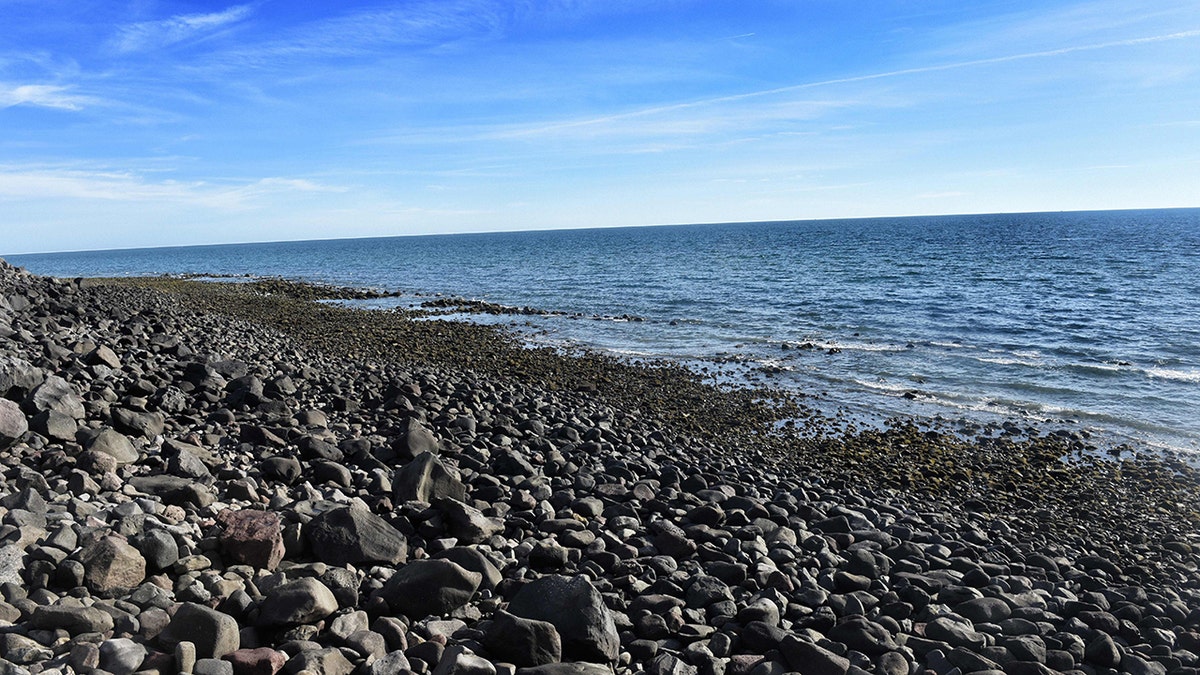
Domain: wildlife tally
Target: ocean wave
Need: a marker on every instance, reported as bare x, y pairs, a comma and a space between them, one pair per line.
1175, 375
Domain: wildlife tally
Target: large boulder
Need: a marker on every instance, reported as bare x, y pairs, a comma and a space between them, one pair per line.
13, 424
252, 537
58, 395
354, 535
114, 444
18, 377
429, 587
522, 642
297, 602
213, 633
110, 564
426, 479
575, 608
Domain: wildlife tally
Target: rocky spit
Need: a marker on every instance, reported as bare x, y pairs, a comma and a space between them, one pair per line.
217, 479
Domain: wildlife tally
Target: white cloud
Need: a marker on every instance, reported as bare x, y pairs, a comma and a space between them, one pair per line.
43, 96
156, 34
23, 184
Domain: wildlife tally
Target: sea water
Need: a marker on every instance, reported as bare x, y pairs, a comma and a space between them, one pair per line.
1088, 320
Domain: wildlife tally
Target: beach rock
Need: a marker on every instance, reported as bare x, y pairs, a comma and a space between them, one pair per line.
13, 424
327, 661
467, 523
145, 424
414, 440
471, 559
252, 537
54, 425
429, 588
578, 668
301, 601
426, 479
258, 661
354, 535
56, 394
74, 620
114, 444
18, 377
458, 660
810, 659
158, 547
121, 656
574, 607
111, 565
214, 634
522, 642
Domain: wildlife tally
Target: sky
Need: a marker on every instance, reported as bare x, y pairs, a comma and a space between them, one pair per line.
145, 123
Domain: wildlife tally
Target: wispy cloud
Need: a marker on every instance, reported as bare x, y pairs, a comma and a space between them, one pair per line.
596, 122
149, 35
43, 96
32, 183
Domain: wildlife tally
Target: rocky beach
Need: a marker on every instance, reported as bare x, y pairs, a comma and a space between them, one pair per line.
236, 479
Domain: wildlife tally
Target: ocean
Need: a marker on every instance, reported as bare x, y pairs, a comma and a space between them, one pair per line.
1088, 321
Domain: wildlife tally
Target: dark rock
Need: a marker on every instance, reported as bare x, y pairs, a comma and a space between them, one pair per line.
114, 444
415, 440
58, 395
213, 633
74, 620
54, 425
467, 523
426, 479
429, 588
576, 609
522, 642
258, 661
13, 424
301, 601
354, 535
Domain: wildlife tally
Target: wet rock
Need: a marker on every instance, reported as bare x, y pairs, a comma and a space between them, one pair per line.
575, 608
354, 535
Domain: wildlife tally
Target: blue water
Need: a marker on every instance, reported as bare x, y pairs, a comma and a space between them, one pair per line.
1089, 320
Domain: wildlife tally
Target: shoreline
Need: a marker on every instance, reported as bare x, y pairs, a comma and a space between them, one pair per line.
463, 473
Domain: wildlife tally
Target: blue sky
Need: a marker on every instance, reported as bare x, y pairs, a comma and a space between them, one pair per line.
146, 123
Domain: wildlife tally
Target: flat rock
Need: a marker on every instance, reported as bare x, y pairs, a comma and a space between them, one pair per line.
811, 659
467, 523
575, 608
58, 395
74, 620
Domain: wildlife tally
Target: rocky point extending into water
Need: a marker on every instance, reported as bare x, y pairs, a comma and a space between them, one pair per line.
225, 479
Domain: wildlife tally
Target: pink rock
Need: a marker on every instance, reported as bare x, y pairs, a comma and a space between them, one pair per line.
252, 537
261, 661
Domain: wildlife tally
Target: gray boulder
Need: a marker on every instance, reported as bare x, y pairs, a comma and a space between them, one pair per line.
213, 633
58, 395
297, 602
354, 535
576, 610
521, 641
13, 424
426, 479
429, 587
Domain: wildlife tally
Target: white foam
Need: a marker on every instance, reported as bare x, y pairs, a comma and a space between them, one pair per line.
1176, 375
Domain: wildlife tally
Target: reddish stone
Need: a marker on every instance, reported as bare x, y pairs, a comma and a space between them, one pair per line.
252, 537
261, 661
